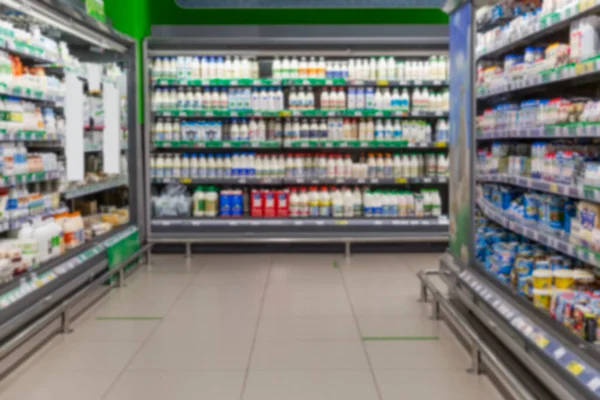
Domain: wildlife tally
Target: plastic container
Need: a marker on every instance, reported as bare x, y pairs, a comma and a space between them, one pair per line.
564, 278
542, 279
542, 298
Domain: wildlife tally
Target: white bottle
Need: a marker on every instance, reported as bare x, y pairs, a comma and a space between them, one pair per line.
337, 204
285, 68
325, 99
382, 68
293, 68
372, 69
341, 99
276, 68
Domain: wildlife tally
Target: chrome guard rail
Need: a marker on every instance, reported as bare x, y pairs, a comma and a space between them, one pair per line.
479, 350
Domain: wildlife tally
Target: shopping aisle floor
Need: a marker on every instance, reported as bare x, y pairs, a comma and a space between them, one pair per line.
258, 327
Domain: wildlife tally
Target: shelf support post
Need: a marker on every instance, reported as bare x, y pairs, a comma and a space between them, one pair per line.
435, 310
121, 281
423, 296
65, 324
188, 250
475, 360
347, 249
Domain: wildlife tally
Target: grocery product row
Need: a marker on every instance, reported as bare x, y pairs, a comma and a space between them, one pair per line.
15, 159
47, 238
175, 201
539, 113
512, 27
237, 67
276, 99
20, 80
562, 59
561, 286
413, 131
20, 115
273, 166
565, 162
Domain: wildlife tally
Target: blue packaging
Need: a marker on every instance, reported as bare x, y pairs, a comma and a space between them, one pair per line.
225, 204
524, 266
524, 286
237, 204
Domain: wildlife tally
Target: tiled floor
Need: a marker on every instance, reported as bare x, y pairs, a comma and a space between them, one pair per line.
257, 327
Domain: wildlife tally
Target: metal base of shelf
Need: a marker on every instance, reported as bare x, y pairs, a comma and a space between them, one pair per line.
297, 234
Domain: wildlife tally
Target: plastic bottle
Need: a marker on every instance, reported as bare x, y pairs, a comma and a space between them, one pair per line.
324, 203
337, 204
313, 202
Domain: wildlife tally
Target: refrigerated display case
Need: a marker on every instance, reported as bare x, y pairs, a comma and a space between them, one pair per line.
528, 268
56, 230
288, 139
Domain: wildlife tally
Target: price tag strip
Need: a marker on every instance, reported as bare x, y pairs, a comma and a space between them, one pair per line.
578, 192
95, 188
536, 336
248, 180
21, 291
356, 222
571, 130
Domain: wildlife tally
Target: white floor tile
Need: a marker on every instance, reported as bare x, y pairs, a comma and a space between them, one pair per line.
397, 326
313, 385
446, 385
416, 355
307, 328
308, 355
48, 384
180, 385
113, 330
89, 356
177, 354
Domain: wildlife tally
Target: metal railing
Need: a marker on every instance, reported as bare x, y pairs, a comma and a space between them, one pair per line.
479, 350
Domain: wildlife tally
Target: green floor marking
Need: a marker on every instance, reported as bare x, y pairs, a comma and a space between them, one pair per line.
128, 318
335, 264
389, 338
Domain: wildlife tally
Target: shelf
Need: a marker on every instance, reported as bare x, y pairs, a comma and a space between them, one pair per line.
297, 113
30, 177
548, 24
301, 181
25, 50
575, 191
13, 224
559, 241
363, 144
29, 136
31, 95
170, 82
96, 148
298, 144
532, 334
94, 188
558, 131
12, 292
567, 73
295, 222
241, 144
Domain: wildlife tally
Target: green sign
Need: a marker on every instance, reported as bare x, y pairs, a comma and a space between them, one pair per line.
95, 8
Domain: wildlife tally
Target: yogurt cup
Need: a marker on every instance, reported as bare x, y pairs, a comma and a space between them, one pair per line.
542, 279
542, 298
584, 280
564, 278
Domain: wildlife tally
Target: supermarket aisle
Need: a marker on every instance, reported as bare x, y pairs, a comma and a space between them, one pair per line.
258, 327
